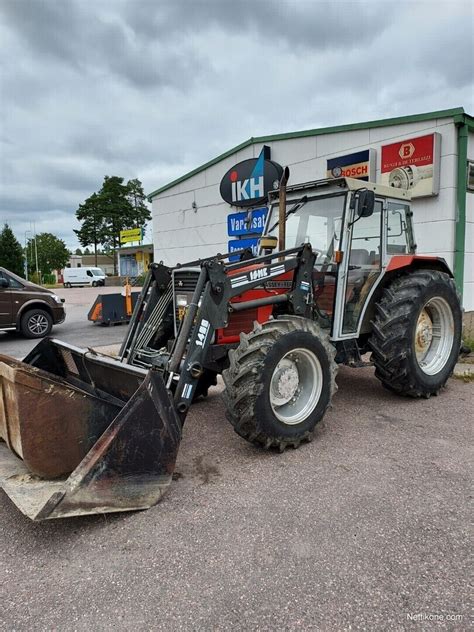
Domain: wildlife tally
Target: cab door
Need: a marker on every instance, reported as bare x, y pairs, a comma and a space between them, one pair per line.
6, 315
360, 271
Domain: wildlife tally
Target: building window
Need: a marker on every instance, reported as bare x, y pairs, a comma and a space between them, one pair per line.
470, 175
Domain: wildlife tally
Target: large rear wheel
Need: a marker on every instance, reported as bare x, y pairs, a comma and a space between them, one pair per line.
280, 382
417, 333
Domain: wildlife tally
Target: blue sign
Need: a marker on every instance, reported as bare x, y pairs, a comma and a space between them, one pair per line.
247, 223
240, 244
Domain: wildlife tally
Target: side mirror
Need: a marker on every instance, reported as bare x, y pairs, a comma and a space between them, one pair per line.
365, 203
4, 283
268, 242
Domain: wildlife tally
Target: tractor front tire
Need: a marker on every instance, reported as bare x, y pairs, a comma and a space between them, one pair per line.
416, 335
280, 381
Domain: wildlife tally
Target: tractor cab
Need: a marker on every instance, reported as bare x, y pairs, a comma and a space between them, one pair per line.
354, 228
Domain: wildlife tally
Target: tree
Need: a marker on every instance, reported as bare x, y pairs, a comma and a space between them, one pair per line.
117, 210
137, 198
52, 253
11, 252
78, 251
117, 206
93, 228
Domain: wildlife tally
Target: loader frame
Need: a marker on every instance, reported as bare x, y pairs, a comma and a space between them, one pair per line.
209, 310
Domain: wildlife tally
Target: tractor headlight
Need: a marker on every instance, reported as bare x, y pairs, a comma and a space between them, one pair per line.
181, 300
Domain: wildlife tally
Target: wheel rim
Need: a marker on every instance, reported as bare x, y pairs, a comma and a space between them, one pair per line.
434, 335
295, 386
38, 324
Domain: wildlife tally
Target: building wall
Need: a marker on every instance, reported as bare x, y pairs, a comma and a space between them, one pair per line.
469, 243
181, 232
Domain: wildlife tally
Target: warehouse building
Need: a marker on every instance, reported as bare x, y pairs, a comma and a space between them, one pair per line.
432, 154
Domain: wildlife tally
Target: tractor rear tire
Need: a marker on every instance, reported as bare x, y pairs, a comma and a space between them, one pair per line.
416, 335
280, 382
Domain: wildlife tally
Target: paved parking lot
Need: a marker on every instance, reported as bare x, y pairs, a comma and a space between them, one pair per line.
76, 329
367, 527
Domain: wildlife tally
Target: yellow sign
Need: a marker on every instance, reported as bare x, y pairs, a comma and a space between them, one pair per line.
132, 234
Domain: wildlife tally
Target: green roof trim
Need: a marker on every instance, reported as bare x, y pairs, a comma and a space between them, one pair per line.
399, 120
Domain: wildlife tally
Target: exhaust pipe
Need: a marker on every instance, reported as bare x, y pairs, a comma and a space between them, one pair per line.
282, 211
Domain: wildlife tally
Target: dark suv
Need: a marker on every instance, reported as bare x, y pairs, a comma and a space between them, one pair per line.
27, 307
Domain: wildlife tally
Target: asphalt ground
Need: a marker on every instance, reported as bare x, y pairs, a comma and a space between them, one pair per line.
366, 528
76, 329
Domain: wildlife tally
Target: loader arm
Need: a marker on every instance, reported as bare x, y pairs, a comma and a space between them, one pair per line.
211, 304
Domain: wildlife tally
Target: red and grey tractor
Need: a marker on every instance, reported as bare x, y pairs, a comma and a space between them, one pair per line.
337, 277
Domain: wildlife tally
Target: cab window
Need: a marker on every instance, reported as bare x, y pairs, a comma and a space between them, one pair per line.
397, 232
364, 266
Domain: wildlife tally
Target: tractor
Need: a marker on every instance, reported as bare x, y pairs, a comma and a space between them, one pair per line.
337, 277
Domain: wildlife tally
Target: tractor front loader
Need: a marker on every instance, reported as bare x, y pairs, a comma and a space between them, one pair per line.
86, 433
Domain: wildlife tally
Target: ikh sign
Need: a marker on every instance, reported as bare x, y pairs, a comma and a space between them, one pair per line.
248, 182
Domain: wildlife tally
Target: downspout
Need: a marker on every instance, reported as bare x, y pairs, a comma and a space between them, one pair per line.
461, 187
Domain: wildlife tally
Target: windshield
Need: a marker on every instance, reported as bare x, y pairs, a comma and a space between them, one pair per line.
97, 272
317, 221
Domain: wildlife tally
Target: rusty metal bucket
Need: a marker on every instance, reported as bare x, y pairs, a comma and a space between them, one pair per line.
83, 433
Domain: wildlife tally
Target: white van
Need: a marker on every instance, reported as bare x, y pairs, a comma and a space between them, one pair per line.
83, 276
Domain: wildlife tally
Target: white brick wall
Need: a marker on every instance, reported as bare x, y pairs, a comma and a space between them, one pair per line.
469, 243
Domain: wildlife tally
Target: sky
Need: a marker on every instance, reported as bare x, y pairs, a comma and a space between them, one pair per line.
151, 89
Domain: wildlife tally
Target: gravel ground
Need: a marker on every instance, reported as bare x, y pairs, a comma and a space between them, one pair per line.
367, 527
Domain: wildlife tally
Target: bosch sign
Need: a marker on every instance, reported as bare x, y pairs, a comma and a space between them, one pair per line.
248, 182
359, 165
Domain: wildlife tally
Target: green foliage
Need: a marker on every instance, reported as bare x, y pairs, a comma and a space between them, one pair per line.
78, 251
11, 252
136, 196
52, 253
117, 206
93, 229
49, 279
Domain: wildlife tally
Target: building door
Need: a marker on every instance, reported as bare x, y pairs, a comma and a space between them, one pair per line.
128, 266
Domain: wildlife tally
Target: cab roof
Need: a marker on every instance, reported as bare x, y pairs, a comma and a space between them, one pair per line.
351, 184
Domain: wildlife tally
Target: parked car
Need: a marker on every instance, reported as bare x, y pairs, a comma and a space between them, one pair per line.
83, 276
27, 307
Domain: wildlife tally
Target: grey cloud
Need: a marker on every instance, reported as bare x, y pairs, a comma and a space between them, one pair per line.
304, 23
151, 89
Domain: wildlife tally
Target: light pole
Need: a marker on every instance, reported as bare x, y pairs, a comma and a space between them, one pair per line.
38, 273
26, 253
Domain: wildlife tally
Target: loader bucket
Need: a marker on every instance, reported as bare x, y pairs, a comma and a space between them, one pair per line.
83, 433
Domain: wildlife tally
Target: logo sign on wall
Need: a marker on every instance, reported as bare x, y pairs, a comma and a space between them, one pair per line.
360, 164
246, 223
240, 244
413, 164
248, 182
